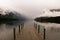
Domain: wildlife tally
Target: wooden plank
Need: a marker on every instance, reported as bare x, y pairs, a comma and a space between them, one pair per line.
29, 33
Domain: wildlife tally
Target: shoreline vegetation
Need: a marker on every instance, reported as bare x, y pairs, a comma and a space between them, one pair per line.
8, 17
11, 18
48, 19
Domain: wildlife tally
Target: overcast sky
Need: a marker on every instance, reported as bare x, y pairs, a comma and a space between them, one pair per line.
30, 8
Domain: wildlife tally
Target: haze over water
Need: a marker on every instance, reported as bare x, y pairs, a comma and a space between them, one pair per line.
31, 9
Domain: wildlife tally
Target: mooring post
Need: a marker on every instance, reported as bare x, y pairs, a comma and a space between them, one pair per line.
44, 33
38, 28
14, 34
19, 28
22, 26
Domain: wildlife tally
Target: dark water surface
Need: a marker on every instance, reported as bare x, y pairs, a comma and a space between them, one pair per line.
52, 29
6, 29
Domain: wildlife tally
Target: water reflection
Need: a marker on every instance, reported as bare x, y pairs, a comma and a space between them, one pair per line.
6, 29
17, 22
52, 30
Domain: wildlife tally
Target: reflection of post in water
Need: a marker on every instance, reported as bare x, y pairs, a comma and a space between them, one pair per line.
52, 29
38, 28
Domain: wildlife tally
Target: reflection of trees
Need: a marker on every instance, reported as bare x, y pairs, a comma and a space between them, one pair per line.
10, 15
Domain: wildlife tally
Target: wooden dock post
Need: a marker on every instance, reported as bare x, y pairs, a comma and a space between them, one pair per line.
14, 33
22, 25
44, 33
19, 28
38, 28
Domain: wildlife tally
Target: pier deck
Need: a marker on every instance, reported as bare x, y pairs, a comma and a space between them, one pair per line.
28, 33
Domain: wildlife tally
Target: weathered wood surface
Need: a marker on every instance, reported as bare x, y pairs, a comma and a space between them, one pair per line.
29, 33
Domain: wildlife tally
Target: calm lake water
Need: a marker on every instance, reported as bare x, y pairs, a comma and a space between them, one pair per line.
52, 30
6, 29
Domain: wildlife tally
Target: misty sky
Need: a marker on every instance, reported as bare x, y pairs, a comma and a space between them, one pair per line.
30, 8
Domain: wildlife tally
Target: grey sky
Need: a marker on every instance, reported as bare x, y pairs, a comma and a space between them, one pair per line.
30, 8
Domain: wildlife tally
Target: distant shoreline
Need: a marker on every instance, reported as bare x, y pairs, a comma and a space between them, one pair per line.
48, 19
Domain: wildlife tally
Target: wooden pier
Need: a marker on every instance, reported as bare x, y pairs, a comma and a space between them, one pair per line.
28, 32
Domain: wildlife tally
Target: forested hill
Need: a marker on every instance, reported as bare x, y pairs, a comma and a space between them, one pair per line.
9, 15
48, 19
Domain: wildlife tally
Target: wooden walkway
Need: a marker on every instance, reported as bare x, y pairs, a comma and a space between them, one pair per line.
28, 33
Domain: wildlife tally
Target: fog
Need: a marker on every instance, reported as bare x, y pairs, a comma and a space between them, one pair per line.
29, 8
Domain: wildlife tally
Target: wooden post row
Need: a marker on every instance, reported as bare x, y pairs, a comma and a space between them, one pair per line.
22, 25
14, 33
19, 28
38, 28
44, 33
